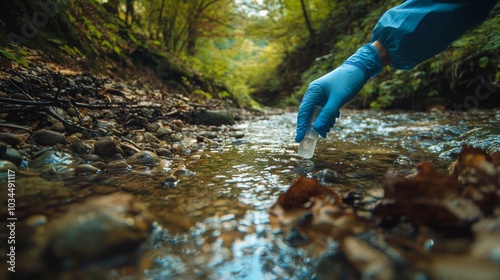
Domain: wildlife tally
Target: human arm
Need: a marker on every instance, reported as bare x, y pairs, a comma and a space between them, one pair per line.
403, 37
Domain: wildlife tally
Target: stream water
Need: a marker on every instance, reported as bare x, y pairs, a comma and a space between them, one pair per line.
213, 214
211, 205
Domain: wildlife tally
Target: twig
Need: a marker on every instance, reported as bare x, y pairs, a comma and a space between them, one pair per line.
27, 102
10, 125
66, 123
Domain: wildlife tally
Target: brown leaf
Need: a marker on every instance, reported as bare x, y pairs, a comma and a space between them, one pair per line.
302, 190
429, 198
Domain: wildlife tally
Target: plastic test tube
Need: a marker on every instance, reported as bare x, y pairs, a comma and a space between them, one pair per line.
308, 144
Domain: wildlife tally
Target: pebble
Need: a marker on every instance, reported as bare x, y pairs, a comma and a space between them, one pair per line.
105, 147
327, 176
3, 148
52, 157
13, 156
164, 131
47, 137
79, 146
10, 139
164, 152
99, 228
86, 169
101, 165
58, 127
92, 157
150, 137
6, 165
72, 112
238, 135
36, 220
152, 127
145, 158
118, 165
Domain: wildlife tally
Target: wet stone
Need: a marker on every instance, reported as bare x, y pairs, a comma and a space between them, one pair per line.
150, 137
57, 171
105, 147
163, 152
9, 138
92, 157
238, 135
52, 158
86, 169
6, 165
58, 127
118, 165
47, 137
99, 228
13, 156
327, 176
145, 158
3, 148
36, 220
164, 131
101, 165
152, 127
213, 117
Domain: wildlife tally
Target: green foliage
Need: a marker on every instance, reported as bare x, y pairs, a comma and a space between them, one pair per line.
17, 55
475, 51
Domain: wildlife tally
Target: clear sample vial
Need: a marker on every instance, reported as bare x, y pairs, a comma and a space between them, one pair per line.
308, 144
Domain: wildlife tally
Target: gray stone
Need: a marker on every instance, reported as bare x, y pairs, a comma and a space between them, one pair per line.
105, 147
99, 228
9, 138
3, 148
48, 137
86, 169
145, 158
213, 117
6, 165
152, 127
13, 156
151, 138
52, 158
164, 131
92, 157
118, 165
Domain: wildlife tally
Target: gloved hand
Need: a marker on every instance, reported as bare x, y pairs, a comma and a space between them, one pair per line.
335, 89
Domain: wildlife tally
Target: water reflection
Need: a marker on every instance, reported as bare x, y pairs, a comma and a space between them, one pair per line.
214, 223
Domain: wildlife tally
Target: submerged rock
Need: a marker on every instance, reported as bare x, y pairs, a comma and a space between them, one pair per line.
52, 158
86, 169
145, 158
99, 228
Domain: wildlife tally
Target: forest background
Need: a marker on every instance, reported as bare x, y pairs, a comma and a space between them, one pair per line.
251, 52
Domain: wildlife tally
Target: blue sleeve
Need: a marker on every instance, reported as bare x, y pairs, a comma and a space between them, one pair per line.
419, 29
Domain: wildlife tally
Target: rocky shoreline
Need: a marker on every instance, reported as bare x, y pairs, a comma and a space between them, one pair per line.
58, 123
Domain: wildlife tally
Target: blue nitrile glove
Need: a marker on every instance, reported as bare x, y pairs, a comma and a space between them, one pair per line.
419, 29
335, 89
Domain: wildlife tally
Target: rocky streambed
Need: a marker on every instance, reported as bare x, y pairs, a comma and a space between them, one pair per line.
115, 180
65, 138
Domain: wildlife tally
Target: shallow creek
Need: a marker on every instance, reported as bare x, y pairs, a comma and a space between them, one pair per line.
210, 205
215, 220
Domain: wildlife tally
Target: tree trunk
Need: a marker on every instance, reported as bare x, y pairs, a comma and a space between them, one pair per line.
160, 18
306, 18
